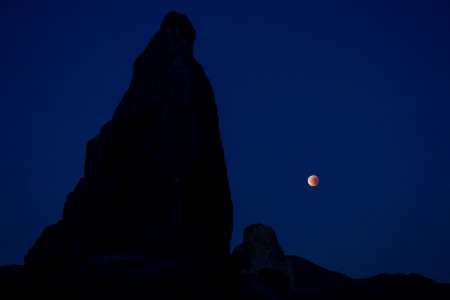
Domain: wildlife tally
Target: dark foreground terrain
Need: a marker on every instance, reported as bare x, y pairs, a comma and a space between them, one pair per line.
139, 278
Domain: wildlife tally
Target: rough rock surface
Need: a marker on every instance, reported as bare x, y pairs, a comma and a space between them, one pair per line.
266, 256
155, 180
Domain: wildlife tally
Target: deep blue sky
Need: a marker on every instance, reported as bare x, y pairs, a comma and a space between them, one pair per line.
357, 92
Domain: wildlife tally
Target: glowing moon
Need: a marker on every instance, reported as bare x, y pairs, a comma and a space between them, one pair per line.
313, 180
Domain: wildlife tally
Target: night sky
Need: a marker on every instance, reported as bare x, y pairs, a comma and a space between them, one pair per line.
356, 92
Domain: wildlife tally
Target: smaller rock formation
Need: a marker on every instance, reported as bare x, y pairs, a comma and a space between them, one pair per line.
267, 259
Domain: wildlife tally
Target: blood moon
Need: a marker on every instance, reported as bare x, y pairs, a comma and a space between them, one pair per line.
313, 180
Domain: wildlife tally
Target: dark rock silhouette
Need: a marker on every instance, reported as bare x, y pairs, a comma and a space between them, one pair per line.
266, 258
314, 282
155, 181
152, 216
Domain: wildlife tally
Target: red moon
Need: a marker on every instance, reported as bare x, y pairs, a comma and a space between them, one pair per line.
313, 180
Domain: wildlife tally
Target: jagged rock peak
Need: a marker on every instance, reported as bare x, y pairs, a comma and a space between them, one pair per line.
155, 181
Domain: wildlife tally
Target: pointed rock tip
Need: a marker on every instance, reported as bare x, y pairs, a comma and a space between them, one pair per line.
180, 24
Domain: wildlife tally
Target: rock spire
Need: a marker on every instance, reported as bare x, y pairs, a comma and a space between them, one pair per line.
155, 181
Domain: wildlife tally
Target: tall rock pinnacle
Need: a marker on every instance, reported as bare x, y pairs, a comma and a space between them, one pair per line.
155, 180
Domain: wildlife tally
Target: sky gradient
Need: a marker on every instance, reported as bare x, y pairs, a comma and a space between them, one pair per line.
356, 92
